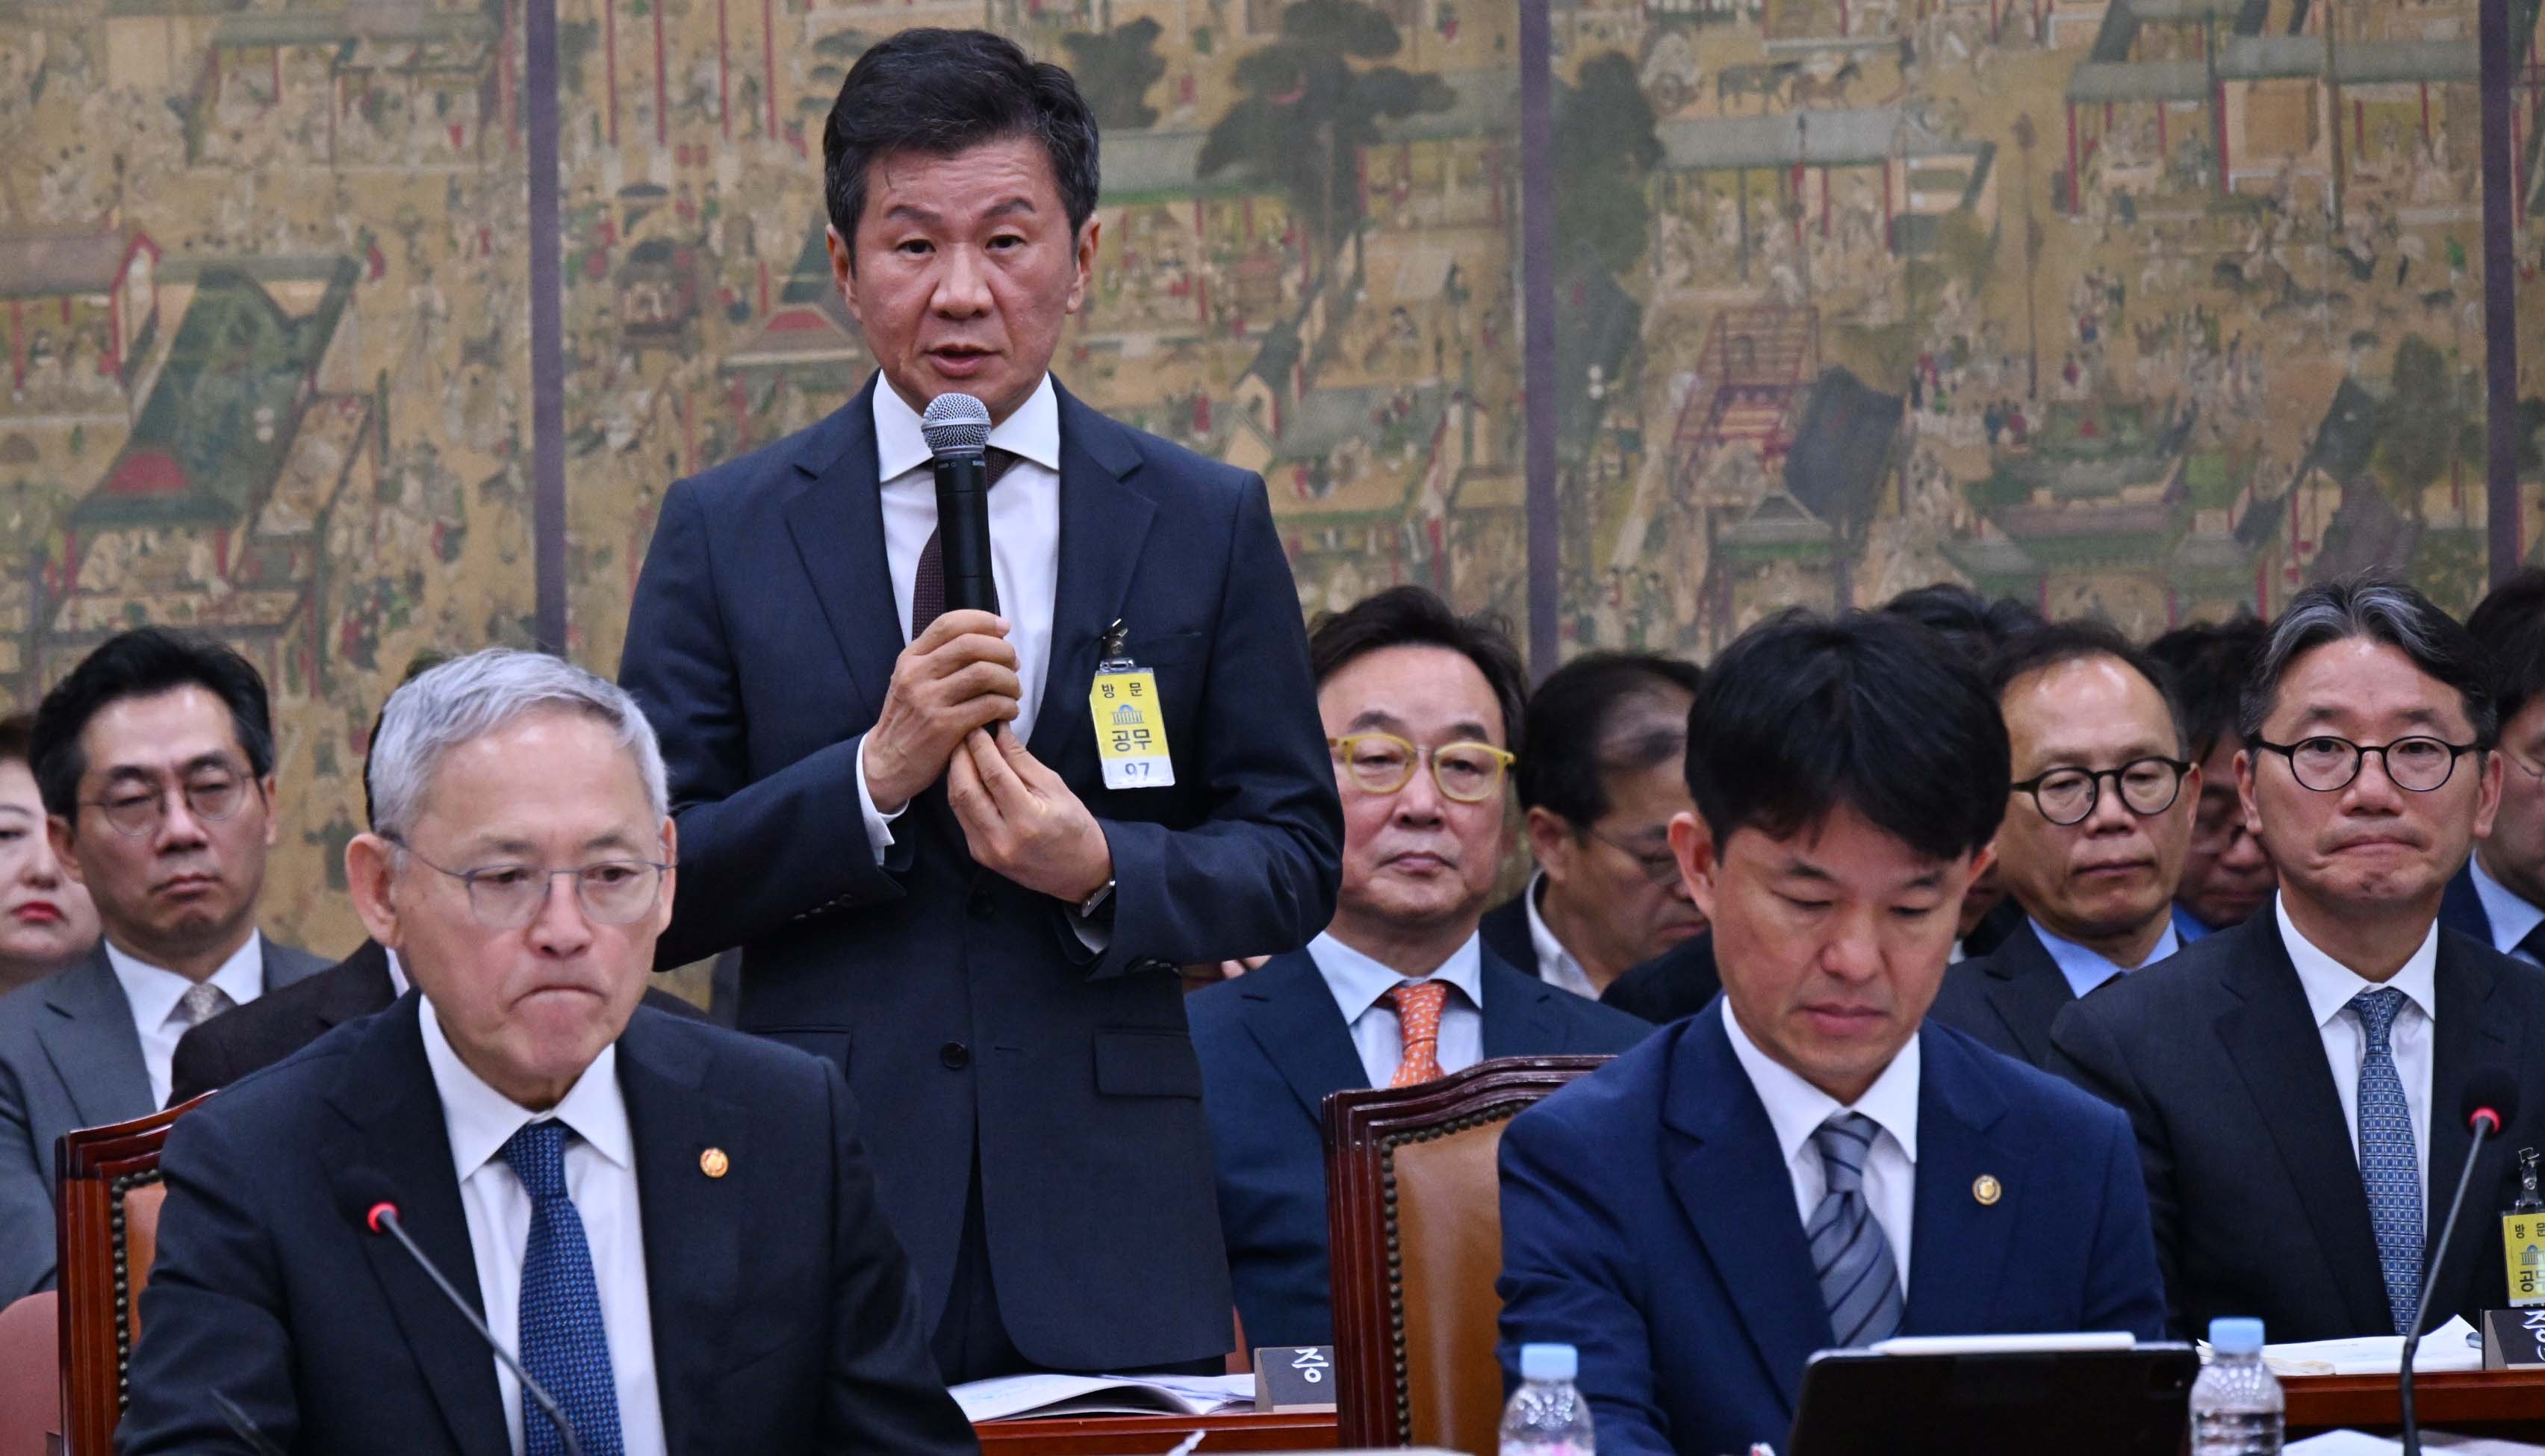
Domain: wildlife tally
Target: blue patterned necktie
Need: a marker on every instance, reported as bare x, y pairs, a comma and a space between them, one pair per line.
1859, 1282
563, 1343
2389, 1170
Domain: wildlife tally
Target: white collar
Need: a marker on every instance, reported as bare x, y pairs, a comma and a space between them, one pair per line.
1031, 433
1550, 951
2329, 985
481, 1120
1358, 982
2512, 916
153, 990
1796, 1108
398, 982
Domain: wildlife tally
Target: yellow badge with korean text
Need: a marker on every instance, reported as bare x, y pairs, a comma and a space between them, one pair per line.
1130, 726
2522, 1238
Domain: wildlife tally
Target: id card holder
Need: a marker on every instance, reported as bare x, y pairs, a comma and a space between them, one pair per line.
1130, 727
2522, 1239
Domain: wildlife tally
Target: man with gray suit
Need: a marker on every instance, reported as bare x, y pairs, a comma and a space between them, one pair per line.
155, 759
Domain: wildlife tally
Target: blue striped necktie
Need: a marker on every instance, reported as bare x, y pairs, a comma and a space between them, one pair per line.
563, 1343
2389, 1168
1859, 1282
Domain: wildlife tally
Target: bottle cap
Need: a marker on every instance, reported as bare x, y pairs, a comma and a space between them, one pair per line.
2232, 1336
1548, 1363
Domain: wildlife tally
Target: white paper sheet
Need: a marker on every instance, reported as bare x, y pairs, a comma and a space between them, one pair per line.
2444, 1348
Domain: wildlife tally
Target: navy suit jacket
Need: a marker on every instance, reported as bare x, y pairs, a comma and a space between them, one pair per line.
2461, 907
1504, 932
968, 1015
782, 1311
1273, 1045
1649, 1221
2008, 998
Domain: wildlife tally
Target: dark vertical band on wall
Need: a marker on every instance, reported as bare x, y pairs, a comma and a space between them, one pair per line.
1538, 305
2500, 205
547, 342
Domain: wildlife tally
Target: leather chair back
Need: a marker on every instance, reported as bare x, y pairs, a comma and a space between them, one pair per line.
1414, 1204
30, 1374
106, 1224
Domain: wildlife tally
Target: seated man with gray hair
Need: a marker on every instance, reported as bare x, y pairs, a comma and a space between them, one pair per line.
673, 1225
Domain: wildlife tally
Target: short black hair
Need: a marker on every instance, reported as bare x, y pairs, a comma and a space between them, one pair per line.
1977, 626
2053, 643
940, 91
144, 663
1803, 713
1570, 748
17, 733
2511, 626
2211, 662
2379, 610
1411, 616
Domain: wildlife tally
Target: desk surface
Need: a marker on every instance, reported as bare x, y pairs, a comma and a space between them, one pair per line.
1145, 1435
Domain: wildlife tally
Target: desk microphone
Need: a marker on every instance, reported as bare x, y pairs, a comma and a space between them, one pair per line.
956, 428
2491, 1100
382, 1218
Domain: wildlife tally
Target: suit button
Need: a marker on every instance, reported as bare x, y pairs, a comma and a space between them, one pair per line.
955, 1055
982, 905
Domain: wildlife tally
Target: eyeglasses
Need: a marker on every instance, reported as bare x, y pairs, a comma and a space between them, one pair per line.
2068, 794
2327, 764
139, 811
507, 897
1659, 866
1384, 764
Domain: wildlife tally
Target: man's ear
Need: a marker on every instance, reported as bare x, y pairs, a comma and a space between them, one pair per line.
370, 868
1700, 865
65, 838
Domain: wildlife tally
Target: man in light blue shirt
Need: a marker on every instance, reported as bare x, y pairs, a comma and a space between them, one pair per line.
2096, 828
2498, 897
2227, 874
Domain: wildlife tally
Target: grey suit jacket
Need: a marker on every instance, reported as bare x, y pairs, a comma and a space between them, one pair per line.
70, 1058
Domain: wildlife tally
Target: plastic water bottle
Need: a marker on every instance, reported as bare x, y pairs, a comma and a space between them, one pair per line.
1546, 1415
2235, 1404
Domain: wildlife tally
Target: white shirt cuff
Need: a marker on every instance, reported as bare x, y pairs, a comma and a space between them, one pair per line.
878, 823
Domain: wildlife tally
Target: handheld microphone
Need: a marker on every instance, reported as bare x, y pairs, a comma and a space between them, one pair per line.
2490, 1101
956, 428
382, 1218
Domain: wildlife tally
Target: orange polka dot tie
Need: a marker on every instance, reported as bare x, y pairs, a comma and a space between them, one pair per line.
1418, 1024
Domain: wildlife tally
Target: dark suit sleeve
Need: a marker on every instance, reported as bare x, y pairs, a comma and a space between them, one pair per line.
1257, 877
1567, 1273
26, 1197
883, 1395
734, 884
2085, 1051
211, 1317
2124, 1289
201, 1064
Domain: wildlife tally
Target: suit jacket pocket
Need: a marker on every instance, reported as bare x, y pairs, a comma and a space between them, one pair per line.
1147, 1063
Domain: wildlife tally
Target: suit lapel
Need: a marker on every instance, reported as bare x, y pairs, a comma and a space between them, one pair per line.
2272, 1041
1723, 1164
1520, 1013
1103, 521
837, 522
1955, 1111
2028, 992
2469, 1032
93, 1045
2461, 907
693, 1222
400, 1151
1291, 1015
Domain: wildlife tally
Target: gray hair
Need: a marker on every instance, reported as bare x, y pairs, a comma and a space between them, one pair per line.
2377, 611
468, 698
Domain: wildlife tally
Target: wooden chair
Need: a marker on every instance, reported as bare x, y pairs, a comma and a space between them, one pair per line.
1414, 1216
106, 1224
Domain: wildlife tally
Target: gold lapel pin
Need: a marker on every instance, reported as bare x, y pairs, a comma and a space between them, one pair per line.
713, 1163
1986, 1189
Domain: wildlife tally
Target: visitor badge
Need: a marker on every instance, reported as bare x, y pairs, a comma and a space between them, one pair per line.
1131, 730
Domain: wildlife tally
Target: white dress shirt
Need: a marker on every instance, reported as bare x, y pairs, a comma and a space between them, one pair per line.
153, 994
1555, 964
1025, 543
1358, 982
398, 982
2329, 985
1796, 1109
2511, 916
600, 1179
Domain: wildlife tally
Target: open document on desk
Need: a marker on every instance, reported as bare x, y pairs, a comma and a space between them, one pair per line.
1050, 1397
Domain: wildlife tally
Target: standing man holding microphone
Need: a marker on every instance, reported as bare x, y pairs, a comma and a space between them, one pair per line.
964, 844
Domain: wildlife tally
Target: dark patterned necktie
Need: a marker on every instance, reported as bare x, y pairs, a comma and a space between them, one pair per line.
2390, 1166
927, 587
562, 1341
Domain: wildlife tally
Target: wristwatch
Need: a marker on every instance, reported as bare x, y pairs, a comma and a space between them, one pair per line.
1087, 907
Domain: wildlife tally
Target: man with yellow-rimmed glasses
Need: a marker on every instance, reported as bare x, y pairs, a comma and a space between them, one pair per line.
1421, 709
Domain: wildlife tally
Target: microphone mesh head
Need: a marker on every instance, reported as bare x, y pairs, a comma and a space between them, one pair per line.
955, 425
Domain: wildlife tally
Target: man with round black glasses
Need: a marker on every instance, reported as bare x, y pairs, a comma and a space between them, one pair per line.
2295, 1080
2096, 825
